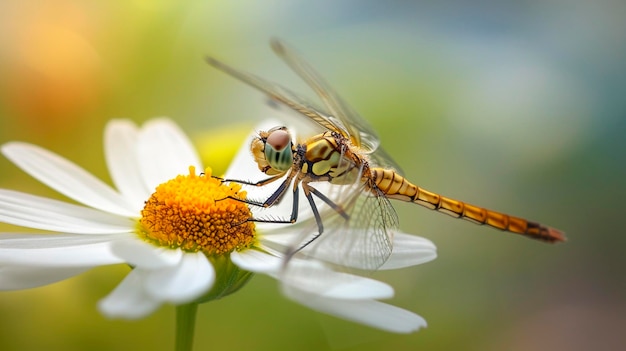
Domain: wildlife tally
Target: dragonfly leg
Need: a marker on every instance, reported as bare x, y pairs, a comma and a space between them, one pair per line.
245, 201
273, 199
280, 192
292, 219
259, 183
318, 219
330, 203
308, 192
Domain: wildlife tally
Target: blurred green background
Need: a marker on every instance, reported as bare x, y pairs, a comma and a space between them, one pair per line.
516, 106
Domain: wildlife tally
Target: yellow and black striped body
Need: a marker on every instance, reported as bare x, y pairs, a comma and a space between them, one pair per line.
394, 186
330, 157
327, 157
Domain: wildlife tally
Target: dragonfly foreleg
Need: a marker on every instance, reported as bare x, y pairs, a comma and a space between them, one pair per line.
274, 198
294, 212
280, 192
259, 183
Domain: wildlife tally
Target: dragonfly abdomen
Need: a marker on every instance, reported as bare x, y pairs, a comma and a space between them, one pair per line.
397, 187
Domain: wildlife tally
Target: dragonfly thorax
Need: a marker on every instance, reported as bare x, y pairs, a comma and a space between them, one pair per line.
328, 157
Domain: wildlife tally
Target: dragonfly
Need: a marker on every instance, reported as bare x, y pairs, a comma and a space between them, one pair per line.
347, 154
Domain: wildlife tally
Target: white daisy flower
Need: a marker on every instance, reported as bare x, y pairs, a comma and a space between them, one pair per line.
183, 245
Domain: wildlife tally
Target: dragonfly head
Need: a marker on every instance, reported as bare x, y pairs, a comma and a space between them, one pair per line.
273, 151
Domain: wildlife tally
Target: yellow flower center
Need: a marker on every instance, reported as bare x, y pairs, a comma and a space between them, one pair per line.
193, 212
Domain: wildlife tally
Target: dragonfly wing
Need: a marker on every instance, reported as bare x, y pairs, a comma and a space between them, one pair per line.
354, 126
370, 229
363, 241
381, 158
280, 94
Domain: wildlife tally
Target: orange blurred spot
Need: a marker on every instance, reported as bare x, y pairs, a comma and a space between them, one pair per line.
52, 75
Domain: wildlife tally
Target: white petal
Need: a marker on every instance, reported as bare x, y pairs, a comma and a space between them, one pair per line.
353, 287
243, 166
66, 178
47, 214
369, 312
256, 261
410, 250
316, 278
141, 254
164, 152
183, 283
347, 247
312, 276
23, 277
279, 239
129, 299
58, 250
120, 150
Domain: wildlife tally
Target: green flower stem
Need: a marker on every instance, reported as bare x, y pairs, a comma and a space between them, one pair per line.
185, 326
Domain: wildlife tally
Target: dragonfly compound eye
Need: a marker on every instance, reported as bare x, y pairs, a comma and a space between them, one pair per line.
278, 151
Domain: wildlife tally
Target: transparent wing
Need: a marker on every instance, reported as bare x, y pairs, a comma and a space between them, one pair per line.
283, 95
339, 117
382, 159
360, 132
362, 242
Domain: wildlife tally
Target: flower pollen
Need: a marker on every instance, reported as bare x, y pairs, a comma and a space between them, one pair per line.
193, 212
